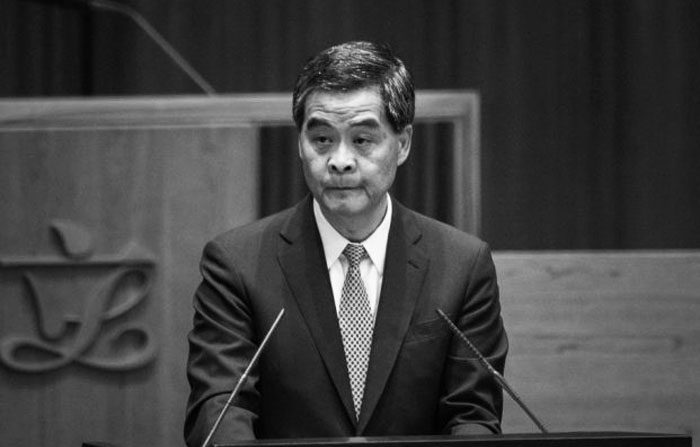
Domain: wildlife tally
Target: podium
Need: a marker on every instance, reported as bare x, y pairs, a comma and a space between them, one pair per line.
572, 439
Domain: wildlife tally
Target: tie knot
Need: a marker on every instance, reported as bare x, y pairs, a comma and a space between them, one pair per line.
354, 254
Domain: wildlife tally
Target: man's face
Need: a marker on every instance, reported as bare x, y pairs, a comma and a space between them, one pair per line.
350, 153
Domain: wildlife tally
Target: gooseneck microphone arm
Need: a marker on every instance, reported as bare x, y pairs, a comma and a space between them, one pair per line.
242, 379
136, 17
108, 5
499, 378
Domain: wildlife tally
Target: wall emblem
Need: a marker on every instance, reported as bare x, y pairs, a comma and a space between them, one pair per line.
81, 304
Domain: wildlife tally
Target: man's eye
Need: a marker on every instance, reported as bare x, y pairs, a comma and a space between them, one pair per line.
362, 141
322, 140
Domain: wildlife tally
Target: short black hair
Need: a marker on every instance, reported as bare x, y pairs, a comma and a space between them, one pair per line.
353, 66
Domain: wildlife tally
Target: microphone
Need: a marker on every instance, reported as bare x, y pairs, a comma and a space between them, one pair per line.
133, 15
242, 378
499, 378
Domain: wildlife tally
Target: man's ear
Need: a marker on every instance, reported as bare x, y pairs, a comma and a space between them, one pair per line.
405, 137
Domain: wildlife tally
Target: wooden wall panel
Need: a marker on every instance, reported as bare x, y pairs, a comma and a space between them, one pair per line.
603, 341
148, 199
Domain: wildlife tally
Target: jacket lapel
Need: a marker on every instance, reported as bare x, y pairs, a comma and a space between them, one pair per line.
301, 257
404, 271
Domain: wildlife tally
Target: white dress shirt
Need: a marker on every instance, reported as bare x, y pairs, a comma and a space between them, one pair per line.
371, 269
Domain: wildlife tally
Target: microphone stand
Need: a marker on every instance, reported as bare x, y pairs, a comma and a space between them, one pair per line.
134, 16
242, 379
108, 5
499, 378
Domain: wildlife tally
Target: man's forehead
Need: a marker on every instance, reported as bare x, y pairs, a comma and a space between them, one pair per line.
358, 105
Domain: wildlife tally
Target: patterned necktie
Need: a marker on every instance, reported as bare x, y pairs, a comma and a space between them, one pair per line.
356, 323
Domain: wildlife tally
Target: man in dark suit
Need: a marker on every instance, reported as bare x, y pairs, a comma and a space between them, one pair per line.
361, 350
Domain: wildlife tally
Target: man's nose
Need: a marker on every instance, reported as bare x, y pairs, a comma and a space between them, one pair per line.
342, 160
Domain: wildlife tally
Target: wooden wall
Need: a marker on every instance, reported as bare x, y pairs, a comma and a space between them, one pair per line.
603, 340
101, 231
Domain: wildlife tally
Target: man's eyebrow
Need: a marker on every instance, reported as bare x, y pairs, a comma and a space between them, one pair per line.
316, 122
367, 122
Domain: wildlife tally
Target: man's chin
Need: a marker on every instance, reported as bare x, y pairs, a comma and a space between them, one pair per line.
343, 208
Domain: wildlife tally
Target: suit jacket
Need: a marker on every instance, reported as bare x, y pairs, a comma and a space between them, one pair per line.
420, 379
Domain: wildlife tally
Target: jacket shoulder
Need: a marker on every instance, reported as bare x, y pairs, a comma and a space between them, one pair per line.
441, 234
252, 234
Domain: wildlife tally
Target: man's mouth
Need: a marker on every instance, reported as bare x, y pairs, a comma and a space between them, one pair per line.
342, 191
342, 187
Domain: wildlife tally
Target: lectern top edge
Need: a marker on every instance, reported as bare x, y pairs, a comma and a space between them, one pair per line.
562, 439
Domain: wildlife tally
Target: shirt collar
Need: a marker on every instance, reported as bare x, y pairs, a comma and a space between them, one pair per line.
334, 243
